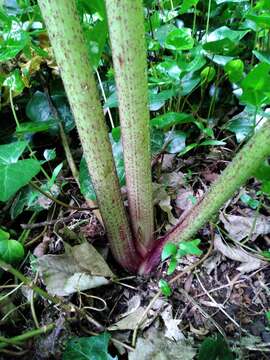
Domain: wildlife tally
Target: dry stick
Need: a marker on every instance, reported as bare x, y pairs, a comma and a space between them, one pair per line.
50, 222
68, 307
127, 35
174, 279
71, 53
59, 202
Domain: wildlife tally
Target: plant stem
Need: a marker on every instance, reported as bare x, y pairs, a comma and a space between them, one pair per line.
242, 167
127, 35
16, 340
71, 54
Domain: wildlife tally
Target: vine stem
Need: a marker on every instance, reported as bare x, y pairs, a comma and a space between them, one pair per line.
68, 307
16, 340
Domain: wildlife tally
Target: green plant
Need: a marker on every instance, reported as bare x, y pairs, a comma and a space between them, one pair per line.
136, 248
184, 64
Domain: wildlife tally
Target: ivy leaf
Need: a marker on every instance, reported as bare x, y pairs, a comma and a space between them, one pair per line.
86, 184
234, 69
10, 153
14, 176
263, 56
14, 81
11, 251
33, 127
88, 348
256, 86
189, 248
208, 74
165, 287
4, 235
179, 39
170, 119
176, 141
187, 4
168, 250
39, 110
172, 266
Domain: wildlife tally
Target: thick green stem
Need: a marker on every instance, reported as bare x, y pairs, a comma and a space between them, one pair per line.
127, 35
71, 55
17, 340
243, 166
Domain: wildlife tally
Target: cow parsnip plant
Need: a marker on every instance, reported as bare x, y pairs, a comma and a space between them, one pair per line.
164, 54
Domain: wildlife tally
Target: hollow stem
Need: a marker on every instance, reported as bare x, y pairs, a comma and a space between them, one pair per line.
242, 167
71, 54
127, 35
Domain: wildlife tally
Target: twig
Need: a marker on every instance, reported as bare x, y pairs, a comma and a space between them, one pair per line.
68, 307
59, 202
174, 279
50, 222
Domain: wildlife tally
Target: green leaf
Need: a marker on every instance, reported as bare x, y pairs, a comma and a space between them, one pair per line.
208, 74
176, 140
14, 81
157, 140
11, 251
262, 21
189, 248
88, 348
215, 349
10, 153
49, 154
267, 314
38, 110
263, 172
170, 119
14, 176
266, 187
86, 185
223, 40
172, 266
165, 287
187, 4
179, 39
15, 39
212, 142
162, 32
255, 86
242, 124
3, 235
96, 39
168, 250
33, 127
234, 69
263, 56
252, 203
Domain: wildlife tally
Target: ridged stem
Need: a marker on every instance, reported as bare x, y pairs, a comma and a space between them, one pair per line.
127, 35
242, 167
71, 54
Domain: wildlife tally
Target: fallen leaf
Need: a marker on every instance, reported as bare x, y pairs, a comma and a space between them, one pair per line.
130, 321
239, 227
159, 348
172, 330
80, 268
249, 262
